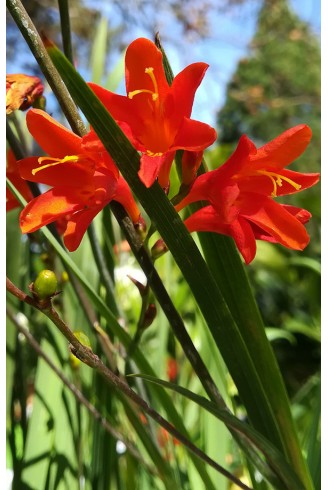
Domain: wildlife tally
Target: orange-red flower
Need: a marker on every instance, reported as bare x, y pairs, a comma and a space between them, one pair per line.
12, 173
22, 91
154, 115
240, 194
83, 181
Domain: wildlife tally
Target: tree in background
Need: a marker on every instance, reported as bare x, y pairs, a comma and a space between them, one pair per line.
278, 85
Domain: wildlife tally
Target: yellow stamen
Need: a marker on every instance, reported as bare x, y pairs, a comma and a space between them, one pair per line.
55, 161
152, 154
277, 180
154, 93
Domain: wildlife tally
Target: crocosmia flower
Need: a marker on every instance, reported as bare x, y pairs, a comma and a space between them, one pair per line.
154, 115
22, 91
82, 181
21, 185
240, 194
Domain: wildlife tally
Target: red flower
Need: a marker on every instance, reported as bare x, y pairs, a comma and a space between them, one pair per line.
12, 173
154, 115
22, 91
240, 194
83, 181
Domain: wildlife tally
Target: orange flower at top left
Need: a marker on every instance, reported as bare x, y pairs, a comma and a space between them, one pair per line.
83, 180
22, 91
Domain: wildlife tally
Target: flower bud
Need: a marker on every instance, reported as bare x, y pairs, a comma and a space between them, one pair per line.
84, 340
158, 249
45, 284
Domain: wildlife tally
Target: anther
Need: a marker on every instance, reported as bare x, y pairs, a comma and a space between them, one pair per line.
55, 161
154, 93
278, 180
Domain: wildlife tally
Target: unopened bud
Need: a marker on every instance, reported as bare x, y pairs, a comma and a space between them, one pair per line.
84, 340
45, 284
142, 289
158, 249
141, 228
149, 316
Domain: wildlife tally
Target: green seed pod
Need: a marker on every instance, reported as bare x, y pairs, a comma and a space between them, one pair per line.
84, 339
45, 284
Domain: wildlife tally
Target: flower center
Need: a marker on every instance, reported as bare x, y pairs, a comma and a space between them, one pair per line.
154, 93
277, 180
54, 161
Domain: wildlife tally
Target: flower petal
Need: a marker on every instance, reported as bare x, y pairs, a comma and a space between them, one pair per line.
284, 149
124, 196
193, 136
184, 87
288, 179
275, 220
74, 174
150, 167
243, 235
120, 107
56, 140
141, 54
207, 219
48, 207
77, 226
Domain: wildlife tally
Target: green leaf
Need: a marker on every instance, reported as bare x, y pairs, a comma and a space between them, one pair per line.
98, 51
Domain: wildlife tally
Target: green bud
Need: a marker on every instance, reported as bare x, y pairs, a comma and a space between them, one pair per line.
45, 284
84, 340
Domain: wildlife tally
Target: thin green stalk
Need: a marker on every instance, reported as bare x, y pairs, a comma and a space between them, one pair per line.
65, 25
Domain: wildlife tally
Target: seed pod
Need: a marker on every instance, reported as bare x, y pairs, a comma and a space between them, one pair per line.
45, 284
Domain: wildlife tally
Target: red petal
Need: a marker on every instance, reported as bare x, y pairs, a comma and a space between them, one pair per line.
207, 219
141, 54
48, 207
122, 109
237, 161
77, 226
301, 214
284, 149
275, 220
56, 140
184, 87
262, 184
241, 231
150, 167
193, 136
73, 174
124, 196
191, 161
